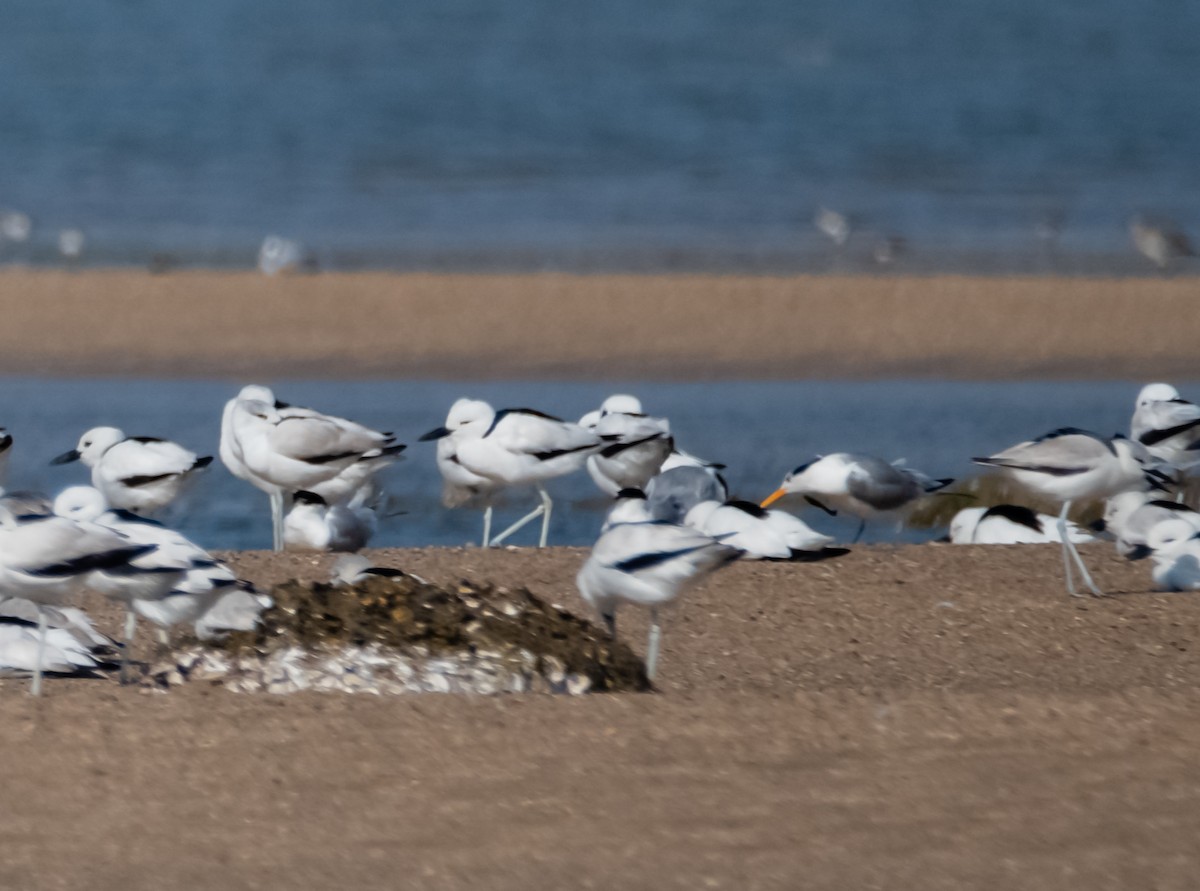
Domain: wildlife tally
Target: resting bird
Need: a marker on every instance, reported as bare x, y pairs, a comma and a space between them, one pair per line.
1010, 524
1175, 550
515, 447
1129, 517
861, 485
281, 449
1068, 464
759, 533
140, 474
649, 563
636, 448
73, 645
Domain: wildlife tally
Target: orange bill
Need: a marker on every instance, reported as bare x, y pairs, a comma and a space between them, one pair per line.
773, 497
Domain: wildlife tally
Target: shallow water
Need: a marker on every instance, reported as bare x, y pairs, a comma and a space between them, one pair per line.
531, 133
760, 429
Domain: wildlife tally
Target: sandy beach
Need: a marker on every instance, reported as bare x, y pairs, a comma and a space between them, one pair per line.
918, 717
238, 324
923, 717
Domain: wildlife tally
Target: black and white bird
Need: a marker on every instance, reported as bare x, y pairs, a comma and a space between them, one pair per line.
636, 444
73, 645
463, 488
281, 449
648, 563
1010, 524
1069, 464
860, 485
1174, 546
47, 559
141, 474
759, 533
313, 524
516, 447
675, 491
1166, 424
1129, 517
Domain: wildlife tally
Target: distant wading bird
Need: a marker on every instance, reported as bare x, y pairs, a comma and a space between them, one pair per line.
514, 447
650, 563
281, 449
140, 474
1068, 464
861, 485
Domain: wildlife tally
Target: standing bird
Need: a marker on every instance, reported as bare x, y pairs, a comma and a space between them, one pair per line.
1068, 464
281, 449
516, 447
1166, 424
637, 450
649, 563
140, 474
47, 558
861, 485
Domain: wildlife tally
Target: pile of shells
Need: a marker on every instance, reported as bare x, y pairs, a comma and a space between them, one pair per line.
403, 635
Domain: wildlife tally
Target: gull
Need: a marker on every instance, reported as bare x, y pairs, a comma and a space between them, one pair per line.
1068, 464
516, 447
860, 485
638, 447
1175, 550
141, 474
1166, 424
280, 448
1010, 524
313, 524
649, 563
1159, 242
47, 558
1129, 517
761, 534
674, 492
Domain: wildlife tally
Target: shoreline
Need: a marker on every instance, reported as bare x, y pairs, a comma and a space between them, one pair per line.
606, 326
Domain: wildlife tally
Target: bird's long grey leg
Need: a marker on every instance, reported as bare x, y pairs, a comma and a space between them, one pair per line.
521, 523
1066, 555
652, 645
130, 628
547, 506
35, 688
277, 519
487, 525
862, 525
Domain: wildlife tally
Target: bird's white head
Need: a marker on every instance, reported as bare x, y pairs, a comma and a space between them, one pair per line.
1158, 392
97, 441
80, 503
794, 482
258, 393
621, 404
590, 420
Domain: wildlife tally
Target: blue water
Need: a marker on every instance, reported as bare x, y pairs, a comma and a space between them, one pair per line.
761, 430
551, 133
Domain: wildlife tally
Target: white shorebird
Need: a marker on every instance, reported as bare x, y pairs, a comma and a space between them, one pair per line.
516, 447
47, 558
280, 448
313, 524
73, 645
761, 534
1166, 424
648, 563
1010, 524
638, 446
1069, 464
1129, 517
674, 492
461, 487
278, 254
834, 225
1174, 547
141, 474
861, 485
1159, 242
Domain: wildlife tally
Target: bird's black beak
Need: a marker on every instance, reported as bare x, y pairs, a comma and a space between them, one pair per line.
435, 433
67, 457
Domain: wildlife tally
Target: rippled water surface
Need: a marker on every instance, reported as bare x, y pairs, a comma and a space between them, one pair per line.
759, 429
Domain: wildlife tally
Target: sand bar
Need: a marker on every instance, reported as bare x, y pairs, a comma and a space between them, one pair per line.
238, 324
